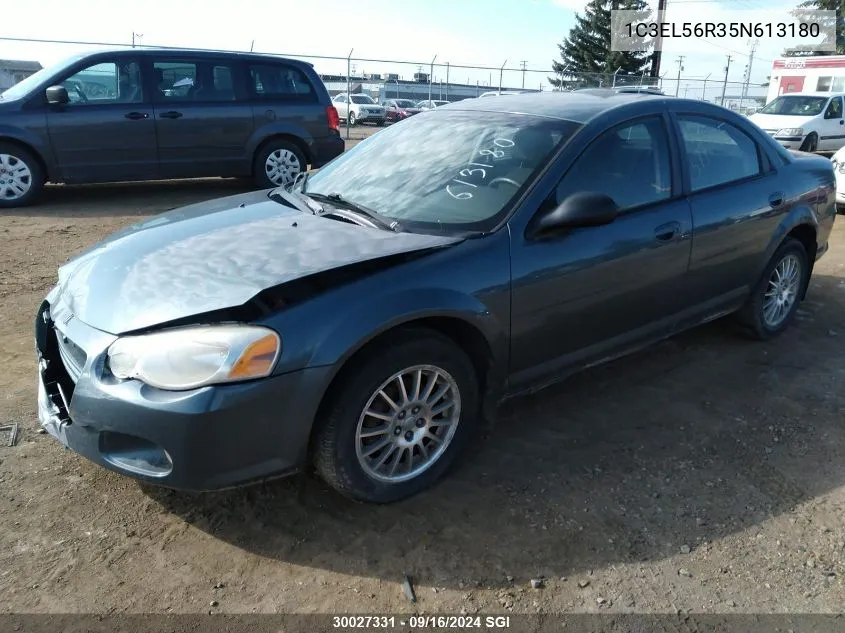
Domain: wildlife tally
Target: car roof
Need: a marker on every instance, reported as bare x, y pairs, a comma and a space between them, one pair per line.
193, 52
813, 93
576, 106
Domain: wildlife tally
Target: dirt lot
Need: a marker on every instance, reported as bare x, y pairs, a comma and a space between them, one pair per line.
704, 475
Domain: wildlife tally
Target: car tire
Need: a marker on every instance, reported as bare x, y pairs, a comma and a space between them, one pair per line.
811, 143
278, 162
19, 168
352, 119
840, 209
754, 314
339, 447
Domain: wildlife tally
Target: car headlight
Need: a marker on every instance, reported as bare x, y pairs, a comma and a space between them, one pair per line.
791, 131
187, 358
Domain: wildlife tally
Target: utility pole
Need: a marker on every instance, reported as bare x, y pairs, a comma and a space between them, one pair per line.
704, 89
523, 64
447, 81
501, 72
348, 88
431, 76
136, 35
748, 73
680, 61
725, 85
658, 42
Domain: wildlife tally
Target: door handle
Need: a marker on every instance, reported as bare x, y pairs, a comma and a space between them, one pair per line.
172, 114
776, 199
667, 232
135, 116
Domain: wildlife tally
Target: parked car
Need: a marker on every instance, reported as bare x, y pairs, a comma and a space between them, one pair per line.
366, 319
359, 109
398, 109
431, 105
652, 90
145, 114
808, 121
496, 93
838, 161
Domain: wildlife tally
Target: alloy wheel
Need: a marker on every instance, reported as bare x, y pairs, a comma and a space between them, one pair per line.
782, 290
282, 167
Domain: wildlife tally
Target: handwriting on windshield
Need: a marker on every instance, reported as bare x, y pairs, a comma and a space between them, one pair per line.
480, 166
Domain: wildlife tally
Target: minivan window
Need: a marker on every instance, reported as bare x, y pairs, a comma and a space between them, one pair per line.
278, 81
206, 81
106, 82
174, 81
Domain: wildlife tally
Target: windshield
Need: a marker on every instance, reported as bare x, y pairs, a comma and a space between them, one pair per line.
444, 171
404, 103
22, 88
796, 105
361, 99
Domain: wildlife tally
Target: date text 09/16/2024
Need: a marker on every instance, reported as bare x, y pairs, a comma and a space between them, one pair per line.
373, 622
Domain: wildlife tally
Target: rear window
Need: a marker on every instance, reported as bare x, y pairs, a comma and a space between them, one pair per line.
280, 82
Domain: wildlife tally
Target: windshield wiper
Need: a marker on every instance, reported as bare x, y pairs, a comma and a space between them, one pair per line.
297, 200
388, 224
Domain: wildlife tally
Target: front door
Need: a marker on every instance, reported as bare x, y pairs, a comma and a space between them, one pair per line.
106, 132
790, 84
832, 135
203, 120
591, 292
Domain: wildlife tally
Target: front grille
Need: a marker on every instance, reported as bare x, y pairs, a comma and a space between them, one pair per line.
73, 357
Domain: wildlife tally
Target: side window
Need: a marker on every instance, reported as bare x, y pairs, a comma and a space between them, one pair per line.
106, 82
717, 152
341, 98
281, 83
222, 84
823, 84
175, 81
834, 109
629, 163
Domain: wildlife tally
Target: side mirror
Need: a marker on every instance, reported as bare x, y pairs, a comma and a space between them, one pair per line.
57, 95
581, 209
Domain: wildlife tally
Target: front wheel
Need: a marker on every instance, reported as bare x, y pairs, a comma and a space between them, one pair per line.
773, 302
399, 420
810, 143
21, 177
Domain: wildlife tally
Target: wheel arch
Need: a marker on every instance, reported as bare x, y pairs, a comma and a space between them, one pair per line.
288, 135
22, 144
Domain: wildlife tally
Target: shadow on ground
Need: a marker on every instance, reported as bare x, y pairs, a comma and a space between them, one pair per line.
699, 437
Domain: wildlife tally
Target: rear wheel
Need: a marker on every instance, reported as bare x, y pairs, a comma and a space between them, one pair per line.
810, 143
21, 176
277, 164
399, 420
773, 302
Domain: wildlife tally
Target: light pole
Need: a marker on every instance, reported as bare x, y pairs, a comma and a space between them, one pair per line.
430, 76
704, 89
396, 81
447, 81
680, 68
348, 87
501, 72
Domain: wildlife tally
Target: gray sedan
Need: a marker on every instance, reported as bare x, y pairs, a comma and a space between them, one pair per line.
366, 319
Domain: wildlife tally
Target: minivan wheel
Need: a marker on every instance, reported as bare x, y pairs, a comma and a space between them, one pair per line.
352, 118
278, 163
21, 176
773, 303
810, 143
398, 421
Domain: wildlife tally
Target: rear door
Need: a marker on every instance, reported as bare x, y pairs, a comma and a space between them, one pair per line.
284, 93
106, 132
202, 118
737, 197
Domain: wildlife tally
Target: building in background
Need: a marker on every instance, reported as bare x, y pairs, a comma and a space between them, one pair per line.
825, 73
14, 70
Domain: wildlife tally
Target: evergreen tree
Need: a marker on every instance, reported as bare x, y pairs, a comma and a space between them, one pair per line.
587, 47
824, 5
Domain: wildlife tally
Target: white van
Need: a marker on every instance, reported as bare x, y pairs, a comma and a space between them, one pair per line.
808, 121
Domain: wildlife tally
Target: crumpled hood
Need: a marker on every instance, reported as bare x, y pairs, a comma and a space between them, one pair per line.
213, 255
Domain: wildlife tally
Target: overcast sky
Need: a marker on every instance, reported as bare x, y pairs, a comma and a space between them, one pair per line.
469, 32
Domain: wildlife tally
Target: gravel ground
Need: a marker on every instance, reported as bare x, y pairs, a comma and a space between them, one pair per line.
704, 475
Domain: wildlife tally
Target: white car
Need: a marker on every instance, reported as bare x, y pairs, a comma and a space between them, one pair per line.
359, 109
838, 161
809, 121
430, 105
